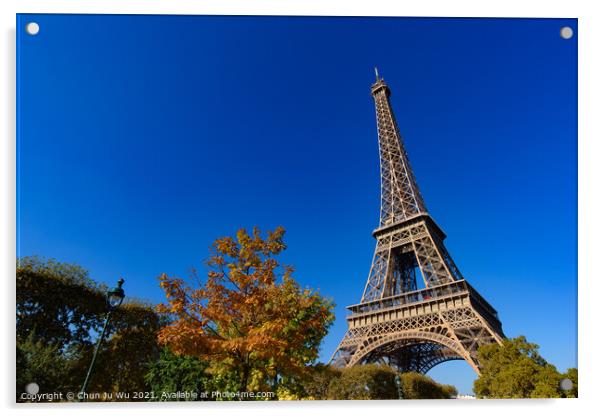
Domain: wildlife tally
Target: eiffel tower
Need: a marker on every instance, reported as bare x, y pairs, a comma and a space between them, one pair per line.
396, 323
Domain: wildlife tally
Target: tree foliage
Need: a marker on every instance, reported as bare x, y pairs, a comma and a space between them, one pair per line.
316, 383
177, 373
371, 382
60, 312
43, 364
515, 369
249, 316
572, 374
364, 382
311, 385
415, 386
56, 301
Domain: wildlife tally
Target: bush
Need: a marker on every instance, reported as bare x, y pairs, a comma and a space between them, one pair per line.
312, 385
364, 382
377, 382
415, 386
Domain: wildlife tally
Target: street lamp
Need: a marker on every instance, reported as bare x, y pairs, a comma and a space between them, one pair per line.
115, 297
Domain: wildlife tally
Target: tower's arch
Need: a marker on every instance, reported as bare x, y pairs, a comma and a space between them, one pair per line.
417, 351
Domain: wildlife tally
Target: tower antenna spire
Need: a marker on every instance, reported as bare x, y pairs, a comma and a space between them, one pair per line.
376, 72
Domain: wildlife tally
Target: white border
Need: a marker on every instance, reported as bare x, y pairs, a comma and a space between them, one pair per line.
590, 207
508, 8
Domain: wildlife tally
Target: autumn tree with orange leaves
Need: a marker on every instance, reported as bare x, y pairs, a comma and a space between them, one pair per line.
249, 316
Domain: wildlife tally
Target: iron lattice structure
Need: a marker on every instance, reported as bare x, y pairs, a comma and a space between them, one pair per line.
396, 323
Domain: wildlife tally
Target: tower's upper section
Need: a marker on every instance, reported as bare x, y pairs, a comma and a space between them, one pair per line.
400, 196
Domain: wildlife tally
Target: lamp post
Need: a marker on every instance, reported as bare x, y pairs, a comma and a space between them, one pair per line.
115, 297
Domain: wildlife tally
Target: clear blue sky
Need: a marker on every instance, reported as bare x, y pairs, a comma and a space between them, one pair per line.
144, 138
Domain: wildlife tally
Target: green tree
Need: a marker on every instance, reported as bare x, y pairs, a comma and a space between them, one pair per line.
415, 386
60, 312
173, 373
57, 301
364, 382
449, 391
42, 364
571, 374
311, 385
515, 369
